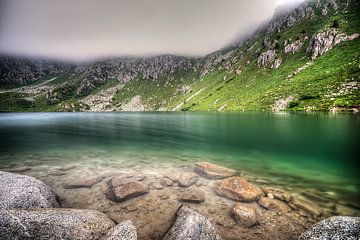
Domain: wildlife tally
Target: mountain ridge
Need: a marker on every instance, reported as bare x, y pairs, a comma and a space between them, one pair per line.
289, 51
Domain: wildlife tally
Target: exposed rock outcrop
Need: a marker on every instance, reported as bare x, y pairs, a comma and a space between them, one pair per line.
334, 228
322, 42
269, 58
293, 47
44, 224
191, 225
239, 189
18, 191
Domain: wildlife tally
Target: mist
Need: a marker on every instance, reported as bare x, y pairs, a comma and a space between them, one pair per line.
88, 29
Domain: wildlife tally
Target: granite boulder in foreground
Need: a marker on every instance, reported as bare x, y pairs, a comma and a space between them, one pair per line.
334, 228
190, 225
19, 191
123, 231
54, 224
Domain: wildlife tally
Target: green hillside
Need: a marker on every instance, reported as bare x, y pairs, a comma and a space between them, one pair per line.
233, 79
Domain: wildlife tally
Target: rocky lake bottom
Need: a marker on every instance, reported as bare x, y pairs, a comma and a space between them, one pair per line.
151, 194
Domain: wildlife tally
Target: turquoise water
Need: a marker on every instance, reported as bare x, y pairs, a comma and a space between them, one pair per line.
304, 151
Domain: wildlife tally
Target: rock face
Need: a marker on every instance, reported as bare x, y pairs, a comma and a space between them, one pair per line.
119, 189
334, 228
213, 171
239, 189
191, 225
43, 224
123, 231
85, 182
274, 205
192, 196
324, 41
266, 57
18, 191
294, 47
244, 215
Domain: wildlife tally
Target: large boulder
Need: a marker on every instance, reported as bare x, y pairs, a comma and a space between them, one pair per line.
213, 171
191, 225
334, 228
239, 189
19, 191
123, 231
54, 224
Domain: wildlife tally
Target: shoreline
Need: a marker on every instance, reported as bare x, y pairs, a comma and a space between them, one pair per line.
163, 190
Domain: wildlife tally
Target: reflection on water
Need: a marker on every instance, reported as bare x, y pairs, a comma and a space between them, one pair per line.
297, 150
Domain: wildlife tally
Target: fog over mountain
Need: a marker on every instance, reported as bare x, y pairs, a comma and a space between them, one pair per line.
87, 29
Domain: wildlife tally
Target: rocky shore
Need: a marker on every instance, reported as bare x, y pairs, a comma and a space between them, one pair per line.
204, 201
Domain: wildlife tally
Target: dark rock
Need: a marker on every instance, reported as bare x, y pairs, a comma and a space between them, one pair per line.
239, 189
192, 196
274, 205
245, 215
334, 228
123, 231
18, 191
84, 182
44, 224
213, 171
191, 225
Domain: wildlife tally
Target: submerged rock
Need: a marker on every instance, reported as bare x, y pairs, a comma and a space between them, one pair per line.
119, 189
244, 215
19, 191
123, 231
274, 205
191, 225
213, 171
184, 179
334, 228
166, 182
239, 189
309, 207
84, 182
43, 224
192, 196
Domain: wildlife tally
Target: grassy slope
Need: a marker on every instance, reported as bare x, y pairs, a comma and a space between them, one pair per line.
254, 89
258, 88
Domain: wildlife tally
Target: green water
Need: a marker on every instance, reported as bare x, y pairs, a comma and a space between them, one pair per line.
302, 151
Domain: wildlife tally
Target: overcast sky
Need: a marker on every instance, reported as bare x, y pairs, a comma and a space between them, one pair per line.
87, 29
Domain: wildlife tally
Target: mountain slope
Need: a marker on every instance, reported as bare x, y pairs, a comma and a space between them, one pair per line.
307, 59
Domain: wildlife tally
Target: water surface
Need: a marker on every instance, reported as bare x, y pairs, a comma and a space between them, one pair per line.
297, 151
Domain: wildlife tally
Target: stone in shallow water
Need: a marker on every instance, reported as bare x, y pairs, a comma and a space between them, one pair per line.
84, 182
245, 215
192, 196
120, 189
274, 205
190, 225
334, 228
310, 207
19, 169
239, 189
58, 223
19, 191
123, 231
166, 182
184, 179
213, 171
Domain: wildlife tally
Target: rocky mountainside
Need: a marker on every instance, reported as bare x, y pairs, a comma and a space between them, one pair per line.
303, 59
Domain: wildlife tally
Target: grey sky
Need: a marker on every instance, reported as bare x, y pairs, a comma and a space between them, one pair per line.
83, 29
